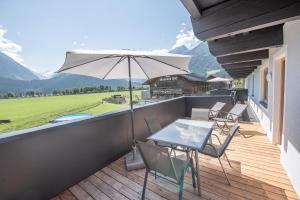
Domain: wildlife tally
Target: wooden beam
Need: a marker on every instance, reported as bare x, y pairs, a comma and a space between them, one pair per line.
243, 57
240, 74
192, 8
240, 70
238, 77
252, 41
234, 17
243, 64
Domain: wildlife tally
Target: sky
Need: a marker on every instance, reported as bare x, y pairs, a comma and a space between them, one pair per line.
37, 33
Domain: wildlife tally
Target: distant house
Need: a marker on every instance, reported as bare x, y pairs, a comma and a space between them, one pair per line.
172, 86
116, 98
219, 83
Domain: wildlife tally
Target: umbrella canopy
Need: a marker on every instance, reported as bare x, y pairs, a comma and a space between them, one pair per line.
123, 64
219, 79
115, 64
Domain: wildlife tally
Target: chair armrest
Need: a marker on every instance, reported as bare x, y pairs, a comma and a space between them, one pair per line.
217, 138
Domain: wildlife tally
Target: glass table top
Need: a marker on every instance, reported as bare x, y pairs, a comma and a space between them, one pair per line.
193, 134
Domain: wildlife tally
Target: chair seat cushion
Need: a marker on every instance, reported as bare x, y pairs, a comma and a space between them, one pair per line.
208, 150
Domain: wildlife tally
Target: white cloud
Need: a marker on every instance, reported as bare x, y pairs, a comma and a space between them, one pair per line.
9, 47
186, 38
74, 42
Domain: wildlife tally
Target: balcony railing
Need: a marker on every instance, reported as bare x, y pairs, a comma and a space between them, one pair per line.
39, 163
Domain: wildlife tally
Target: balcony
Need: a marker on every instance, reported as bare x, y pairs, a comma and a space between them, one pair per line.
84, 160
167, 91
256, 174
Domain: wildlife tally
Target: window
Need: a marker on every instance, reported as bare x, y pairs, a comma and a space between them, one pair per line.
265, 85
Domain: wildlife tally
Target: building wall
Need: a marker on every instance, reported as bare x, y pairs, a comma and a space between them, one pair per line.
290, 154
187, 87
269, 117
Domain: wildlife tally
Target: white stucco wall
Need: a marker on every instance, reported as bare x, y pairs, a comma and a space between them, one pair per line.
290, 148
290, 154
261, 112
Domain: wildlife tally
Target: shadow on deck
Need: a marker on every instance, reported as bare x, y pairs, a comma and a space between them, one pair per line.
256, 174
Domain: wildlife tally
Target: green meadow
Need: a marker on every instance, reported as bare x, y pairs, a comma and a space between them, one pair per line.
36, 111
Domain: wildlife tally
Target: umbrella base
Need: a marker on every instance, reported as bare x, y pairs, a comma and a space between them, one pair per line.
134, 163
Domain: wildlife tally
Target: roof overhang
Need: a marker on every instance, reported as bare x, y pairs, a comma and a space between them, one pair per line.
241, 31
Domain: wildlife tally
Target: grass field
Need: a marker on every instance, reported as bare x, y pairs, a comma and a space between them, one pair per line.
32, 112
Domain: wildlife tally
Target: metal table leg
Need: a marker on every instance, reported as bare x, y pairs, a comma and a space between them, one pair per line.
198, 172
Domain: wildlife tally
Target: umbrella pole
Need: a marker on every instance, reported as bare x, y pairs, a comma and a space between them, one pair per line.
133, 159
131, 108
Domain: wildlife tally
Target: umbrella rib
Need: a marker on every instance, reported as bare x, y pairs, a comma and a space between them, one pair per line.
120, 60
111, 56
163, 63
137, 62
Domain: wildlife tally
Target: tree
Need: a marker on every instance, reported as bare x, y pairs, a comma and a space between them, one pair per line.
30, 93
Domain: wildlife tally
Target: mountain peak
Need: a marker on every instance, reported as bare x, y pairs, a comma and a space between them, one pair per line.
202, 61
13, 70
180, 50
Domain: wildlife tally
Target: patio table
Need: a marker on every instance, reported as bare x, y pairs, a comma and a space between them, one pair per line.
191, 134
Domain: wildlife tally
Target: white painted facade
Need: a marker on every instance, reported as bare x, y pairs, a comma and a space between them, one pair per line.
270, 116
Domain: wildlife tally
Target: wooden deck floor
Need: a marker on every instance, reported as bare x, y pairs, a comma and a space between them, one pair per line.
256, 174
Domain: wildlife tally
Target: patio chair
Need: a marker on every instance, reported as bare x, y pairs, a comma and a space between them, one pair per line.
200, 114
158, 160
154, 126
216, 151
232, 116
215, 110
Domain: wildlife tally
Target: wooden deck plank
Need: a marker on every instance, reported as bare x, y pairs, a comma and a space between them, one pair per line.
67, 195
93, 190
256, 174
79, 193
123, 189
108, 190
133, 185
167, 190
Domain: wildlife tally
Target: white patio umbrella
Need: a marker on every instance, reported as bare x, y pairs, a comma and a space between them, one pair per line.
125, 64
219, 79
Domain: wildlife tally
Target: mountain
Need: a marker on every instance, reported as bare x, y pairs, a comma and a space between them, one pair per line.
202, 63
16, 78
58, 82
13, 70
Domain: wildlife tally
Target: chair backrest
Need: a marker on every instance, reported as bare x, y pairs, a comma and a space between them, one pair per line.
153, 124
157, 159
214, 111
227, 141
200, 114
236, 111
